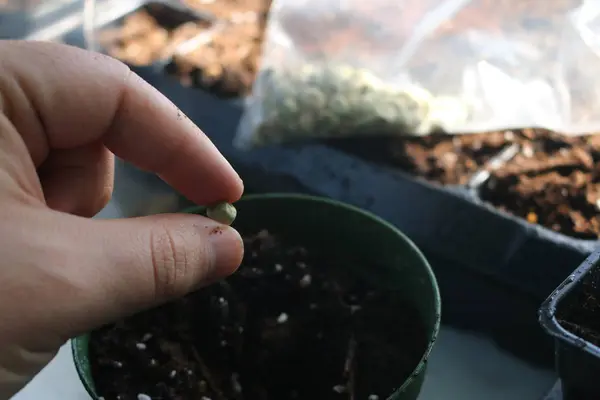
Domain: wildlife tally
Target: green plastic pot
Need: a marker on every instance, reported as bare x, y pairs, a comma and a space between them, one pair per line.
314, 222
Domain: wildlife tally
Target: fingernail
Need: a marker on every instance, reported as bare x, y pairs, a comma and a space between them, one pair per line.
228, 250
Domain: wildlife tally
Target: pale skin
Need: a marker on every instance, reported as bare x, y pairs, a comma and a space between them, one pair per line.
64, 114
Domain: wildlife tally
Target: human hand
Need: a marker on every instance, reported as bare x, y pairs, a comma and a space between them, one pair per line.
63, 113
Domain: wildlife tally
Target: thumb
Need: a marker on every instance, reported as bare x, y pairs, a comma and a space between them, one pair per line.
133, 264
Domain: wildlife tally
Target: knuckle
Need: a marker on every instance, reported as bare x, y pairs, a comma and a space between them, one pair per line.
169, 262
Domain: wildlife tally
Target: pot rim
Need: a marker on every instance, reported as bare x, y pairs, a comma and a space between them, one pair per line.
335, 203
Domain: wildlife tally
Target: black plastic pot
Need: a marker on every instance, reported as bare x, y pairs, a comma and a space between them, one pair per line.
577, 359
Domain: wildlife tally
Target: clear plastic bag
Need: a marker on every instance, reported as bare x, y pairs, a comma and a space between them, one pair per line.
337, 68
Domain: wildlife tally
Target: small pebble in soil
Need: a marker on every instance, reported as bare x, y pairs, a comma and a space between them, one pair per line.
532, 217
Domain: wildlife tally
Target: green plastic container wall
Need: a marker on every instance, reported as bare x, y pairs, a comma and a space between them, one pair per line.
315, 222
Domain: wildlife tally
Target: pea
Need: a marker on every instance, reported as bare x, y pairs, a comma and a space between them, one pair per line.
224, 213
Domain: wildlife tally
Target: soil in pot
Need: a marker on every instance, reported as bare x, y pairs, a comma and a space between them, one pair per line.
150, 34
554, 182
292, 323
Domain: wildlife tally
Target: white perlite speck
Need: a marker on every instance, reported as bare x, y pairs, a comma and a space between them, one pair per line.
305, 281
172, 374
143, 396
278, 267
140, 346
373, 397
339, 388
146, 337
282, 318
235, 383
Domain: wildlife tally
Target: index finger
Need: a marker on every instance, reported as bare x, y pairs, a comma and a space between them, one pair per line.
75, 97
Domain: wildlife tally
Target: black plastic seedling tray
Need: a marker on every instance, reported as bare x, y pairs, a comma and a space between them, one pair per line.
555, 393
577, 360
494, 269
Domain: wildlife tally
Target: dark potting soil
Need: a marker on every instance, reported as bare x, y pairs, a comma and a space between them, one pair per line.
580, 314
555, 182
290, 324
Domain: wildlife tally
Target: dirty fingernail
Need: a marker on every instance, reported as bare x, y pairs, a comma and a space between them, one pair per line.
227, 248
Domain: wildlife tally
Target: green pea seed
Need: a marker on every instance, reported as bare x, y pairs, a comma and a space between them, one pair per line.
224, 213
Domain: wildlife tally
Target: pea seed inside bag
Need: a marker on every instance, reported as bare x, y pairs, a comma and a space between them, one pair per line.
325, 100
